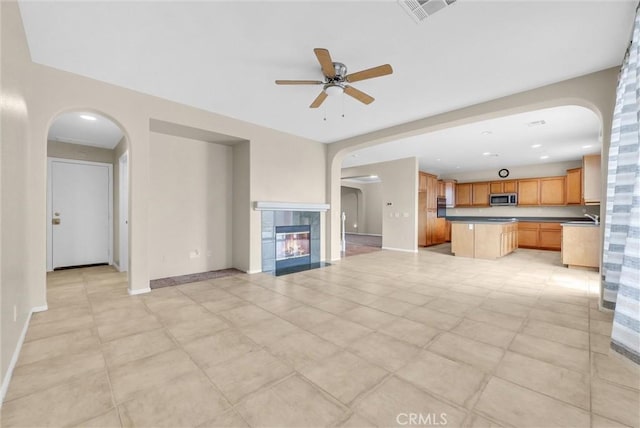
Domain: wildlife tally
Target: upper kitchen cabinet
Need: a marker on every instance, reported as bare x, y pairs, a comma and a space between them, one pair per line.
422, 182
480, 194
450, 192
591, 176
574, 186
529, 192
507, 186
552, 191
463, 195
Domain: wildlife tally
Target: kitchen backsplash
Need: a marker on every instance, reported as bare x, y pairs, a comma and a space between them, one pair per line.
567, 211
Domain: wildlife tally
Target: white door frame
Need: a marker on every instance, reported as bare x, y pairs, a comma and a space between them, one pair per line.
50, 161
123, 215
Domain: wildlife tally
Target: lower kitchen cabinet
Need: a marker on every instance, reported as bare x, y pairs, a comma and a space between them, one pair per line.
581, 245
542, 236
483, 240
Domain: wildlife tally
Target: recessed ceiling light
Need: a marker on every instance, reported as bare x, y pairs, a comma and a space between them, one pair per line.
373, 176
536, 123
544, 157
535, 146
486, 133
458, 167
355, 156
486, 154
88, 117
587, 146
438, 159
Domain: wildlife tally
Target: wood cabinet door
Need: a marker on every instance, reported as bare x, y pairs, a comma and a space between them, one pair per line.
550, 239
528, 235
462, 240
422, 182
496, 187
422, 219
510, 186
591, 170
463, 195
480, 192
447, 231
529, 192
574, 186
441, 189
440, 231
450, 193
552, 191
432, 192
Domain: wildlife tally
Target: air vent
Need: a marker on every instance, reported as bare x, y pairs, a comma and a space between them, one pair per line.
420, 10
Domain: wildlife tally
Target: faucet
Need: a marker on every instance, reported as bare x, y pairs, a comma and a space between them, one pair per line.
593, 217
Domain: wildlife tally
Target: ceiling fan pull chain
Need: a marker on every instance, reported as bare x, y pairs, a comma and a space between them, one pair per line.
342, 96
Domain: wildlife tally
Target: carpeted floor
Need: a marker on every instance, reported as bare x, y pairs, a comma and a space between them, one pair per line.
194, 277
362, 244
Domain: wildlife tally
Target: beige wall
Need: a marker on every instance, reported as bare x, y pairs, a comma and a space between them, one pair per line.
56, 149
399, 188
242, 210
369, 218
189, 206
352, 205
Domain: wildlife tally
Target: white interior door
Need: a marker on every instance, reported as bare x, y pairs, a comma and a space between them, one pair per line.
80, 213
124, 213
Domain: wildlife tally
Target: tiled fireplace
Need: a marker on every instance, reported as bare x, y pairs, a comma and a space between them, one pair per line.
290, 236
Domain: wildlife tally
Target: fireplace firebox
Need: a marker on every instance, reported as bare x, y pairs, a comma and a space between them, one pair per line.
293, 246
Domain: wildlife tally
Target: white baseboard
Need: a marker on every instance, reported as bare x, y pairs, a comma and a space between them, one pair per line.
251, 272
40, 309
138, 291
16, 354
404, 250
115, 265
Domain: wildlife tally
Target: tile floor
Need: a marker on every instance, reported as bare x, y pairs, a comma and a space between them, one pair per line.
373, 340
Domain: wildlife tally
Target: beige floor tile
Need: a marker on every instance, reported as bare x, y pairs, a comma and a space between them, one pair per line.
183, 314
125, 328
134, 347
480, 355
368, 317
496, 318
119, 315
306, 317
615, 402
63, 344
356, 421
246, 315
147, 373
391, 404
279, 304
564, 335
291, 403
168, 303
301, 348
42, 374
600, 327
219, 347
344, 375
391, 306
340, 332
65, 404
557, 382
131, 302
247, 373
410, 331
411, 297
570, 321
552, 304
53, 315
615, 370
602, 422
334, 305
551, 352
522, 407
188, 400
49, 329
601, 315
384, 351
110, 419
230, 419
434, 319
485, 333
449, 306
185, 332
447, 378
477, 421
513, 309
269, 331
599, 343
217, 306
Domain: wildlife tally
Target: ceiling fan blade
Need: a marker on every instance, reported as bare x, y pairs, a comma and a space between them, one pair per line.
319, 99
324, 58
370, 73
358, 95
299, 82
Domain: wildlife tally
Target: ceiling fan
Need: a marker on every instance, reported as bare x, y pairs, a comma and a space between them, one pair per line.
336, 79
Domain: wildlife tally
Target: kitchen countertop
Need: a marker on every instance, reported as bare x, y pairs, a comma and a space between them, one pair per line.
580, 224
484, 221
463, 219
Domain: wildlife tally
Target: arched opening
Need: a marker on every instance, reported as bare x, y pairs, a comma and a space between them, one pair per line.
88, 166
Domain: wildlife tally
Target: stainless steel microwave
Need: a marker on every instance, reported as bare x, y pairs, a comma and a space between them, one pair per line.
497, 199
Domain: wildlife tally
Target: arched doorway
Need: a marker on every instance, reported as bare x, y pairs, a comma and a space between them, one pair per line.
87, 193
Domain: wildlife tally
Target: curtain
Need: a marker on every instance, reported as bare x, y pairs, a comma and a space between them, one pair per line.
621, 255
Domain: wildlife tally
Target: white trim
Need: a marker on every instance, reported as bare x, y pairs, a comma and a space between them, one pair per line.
109, 166
138, 291
251, 272
115, 265
289, 206
123, 225
40, 309
404, 250
14, 357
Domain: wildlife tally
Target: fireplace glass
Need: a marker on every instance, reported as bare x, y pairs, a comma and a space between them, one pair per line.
293, 245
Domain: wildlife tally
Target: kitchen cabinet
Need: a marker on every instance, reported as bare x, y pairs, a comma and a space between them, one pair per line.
591, 179
441, 189
574, 186
507, 186
422, 182
447, 233
422, 219
581, 245
529, 192
463, 195
432, 192
430, 230
483, 240
552, 191
542, 236
450, 193
440, 234
480, 194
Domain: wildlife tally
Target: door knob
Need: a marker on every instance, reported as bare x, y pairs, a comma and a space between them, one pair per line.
55, 221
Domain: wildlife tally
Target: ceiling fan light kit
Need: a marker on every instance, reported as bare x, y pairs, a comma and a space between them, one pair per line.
336, 79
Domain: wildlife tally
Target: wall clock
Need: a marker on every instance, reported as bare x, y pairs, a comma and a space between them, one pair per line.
503, 173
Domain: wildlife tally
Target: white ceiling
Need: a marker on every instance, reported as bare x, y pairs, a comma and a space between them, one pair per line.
72, 128
568, 133
223, 56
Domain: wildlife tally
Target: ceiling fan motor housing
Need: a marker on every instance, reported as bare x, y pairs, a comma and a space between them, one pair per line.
340, 70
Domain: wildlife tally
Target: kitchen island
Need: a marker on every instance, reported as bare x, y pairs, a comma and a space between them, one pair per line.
581, 244
484, 238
